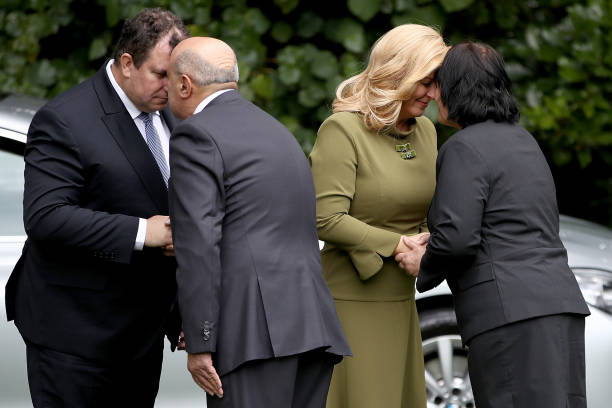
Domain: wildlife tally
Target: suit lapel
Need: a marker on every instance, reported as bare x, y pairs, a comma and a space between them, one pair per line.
125, 133
169, 118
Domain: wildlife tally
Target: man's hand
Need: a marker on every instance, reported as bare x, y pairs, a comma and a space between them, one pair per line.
201, 367
159, 233
420, 239
410, 260
168, 250
181, 341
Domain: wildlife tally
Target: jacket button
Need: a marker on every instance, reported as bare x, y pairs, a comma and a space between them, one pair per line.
205, 334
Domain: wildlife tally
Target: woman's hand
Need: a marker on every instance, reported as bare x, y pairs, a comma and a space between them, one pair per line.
410, 258
419, 239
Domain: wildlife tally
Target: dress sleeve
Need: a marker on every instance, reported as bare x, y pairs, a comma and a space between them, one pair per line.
334, 161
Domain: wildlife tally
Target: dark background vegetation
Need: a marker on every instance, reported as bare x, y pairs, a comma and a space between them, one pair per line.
293, 53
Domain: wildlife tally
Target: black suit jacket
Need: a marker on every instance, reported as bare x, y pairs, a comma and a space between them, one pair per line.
79, 286
494, 227
242, 205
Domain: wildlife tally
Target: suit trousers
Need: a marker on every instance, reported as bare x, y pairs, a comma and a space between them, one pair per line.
298, 381
532, 363
64, 380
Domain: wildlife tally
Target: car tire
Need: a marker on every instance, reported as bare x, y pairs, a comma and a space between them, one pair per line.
438, 322
446, 374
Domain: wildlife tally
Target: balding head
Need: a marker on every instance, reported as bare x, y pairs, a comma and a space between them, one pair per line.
206, 60
199, 66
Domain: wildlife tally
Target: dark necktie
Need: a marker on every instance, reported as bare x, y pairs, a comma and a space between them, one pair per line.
155, 144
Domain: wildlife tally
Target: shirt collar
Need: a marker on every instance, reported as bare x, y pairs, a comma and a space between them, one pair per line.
208, 99
129, 105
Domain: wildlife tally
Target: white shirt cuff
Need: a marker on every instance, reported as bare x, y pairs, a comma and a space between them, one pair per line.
141, 234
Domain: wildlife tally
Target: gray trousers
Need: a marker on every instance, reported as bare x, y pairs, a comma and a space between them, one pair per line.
533, 363
298, 381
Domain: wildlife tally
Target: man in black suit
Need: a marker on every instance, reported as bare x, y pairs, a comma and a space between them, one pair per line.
494, 227
93, 294
242, 204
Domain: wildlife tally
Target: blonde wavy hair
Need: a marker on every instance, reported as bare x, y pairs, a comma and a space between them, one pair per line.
398, 61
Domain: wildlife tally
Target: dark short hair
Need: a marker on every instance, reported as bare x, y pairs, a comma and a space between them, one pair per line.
475, 87
142, 32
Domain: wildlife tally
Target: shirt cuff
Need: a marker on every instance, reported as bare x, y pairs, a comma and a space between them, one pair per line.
141, 234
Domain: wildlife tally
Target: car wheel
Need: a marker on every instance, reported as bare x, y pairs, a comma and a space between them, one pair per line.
446, 369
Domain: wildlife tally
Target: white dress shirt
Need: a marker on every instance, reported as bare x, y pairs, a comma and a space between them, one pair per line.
209, 99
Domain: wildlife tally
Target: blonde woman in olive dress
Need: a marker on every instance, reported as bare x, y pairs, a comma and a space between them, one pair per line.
373, 165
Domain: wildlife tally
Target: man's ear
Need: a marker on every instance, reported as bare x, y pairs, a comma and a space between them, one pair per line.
185, 86
126, 63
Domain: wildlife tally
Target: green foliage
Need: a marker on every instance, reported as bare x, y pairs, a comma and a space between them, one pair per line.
572, 112
567, 98
293, 54
450, 6
364, 9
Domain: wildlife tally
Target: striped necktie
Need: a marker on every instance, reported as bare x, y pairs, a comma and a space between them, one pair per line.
155, 145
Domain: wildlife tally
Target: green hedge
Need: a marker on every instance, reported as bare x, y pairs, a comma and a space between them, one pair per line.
292, 55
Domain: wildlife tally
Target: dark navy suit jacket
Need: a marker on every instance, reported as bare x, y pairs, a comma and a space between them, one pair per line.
79, 287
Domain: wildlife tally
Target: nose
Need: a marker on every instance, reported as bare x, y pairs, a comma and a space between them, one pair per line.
433, 91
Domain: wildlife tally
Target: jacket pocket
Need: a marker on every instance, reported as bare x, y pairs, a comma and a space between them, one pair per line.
475, 275
82, 280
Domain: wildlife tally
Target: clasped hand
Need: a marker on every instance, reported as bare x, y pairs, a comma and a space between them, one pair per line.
159, 234
409, 252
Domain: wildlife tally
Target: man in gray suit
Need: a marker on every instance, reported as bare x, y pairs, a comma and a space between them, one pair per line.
259, 322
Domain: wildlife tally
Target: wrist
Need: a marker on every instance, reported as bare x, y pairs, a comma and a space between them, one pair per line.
398, 247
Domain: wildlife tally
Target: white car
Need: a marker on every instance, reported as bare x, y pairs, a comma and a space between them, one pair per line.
590, 256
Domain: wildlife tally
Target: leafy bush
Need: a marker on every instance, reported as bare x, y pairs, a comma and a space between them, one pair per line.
292, 55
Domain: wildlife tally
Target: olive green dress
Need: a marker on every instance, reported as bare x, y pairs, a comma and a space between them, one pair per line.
368, 195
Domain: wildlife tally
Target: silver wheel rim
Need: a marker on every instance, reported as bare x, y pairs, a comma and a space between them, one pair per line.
446, 373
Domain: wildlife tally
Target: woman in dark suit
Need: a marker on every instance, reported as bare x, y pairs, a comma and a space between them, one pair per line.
494, 227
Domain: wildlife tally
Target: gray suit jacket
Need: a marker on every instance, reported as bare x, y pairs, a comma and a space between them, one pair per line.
242, 206
494, 227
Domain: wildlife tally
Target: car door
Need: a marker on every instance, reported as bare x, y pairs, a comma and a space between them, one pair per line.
13, 377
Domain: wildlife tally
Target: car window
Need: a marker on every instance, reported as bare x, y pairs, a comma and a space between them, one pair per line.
11, 193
